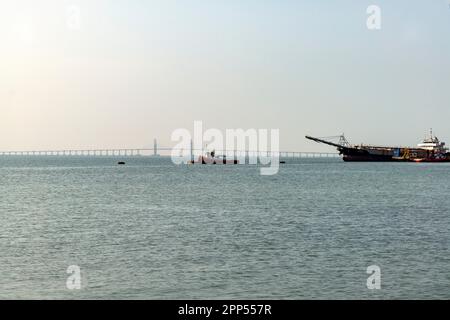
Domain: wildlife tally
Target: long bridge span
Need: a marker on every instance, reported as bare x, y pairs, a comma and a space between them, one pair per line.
161, 151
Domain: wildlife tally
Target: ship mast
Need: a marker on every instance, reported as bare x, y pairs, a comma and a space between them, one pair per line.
343, 141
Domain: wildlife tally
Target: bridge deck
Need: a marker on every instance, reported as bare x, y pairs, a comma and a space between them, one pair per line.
160, 151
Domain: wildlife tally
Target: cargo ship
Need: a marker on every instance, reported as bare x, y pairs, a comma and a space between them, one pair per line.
431, 149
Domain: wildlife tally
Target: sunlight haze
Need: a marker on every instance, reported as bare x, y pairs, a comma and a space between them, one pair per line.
137, 70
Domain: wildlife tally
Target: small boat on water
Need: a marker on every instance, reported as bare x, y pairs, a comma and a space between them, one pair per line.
212, 158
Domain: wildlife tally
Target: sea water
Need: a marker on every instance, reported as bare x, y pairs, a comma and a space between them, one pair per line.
154, 230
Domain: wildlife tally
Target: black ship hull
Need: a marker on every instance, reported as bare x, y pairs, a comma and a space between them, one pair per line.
361, 155
389, 155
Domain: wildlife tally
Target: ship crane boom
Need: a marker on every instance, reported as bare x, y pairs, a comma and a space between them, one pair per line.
318, 140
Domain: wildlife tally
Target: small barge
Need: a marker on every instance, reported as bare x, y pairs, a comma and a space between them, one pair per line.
212, 158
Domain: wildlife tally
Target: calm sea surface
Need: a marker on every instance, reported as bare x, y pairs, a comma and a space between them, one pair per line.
153, 230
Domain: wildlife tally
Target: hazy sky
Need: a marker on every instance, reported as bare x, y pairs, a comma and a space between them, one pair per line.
136, 70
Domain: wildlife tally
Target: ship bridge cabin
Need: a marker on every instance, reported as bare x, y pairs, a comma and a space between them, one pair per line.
432, 143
